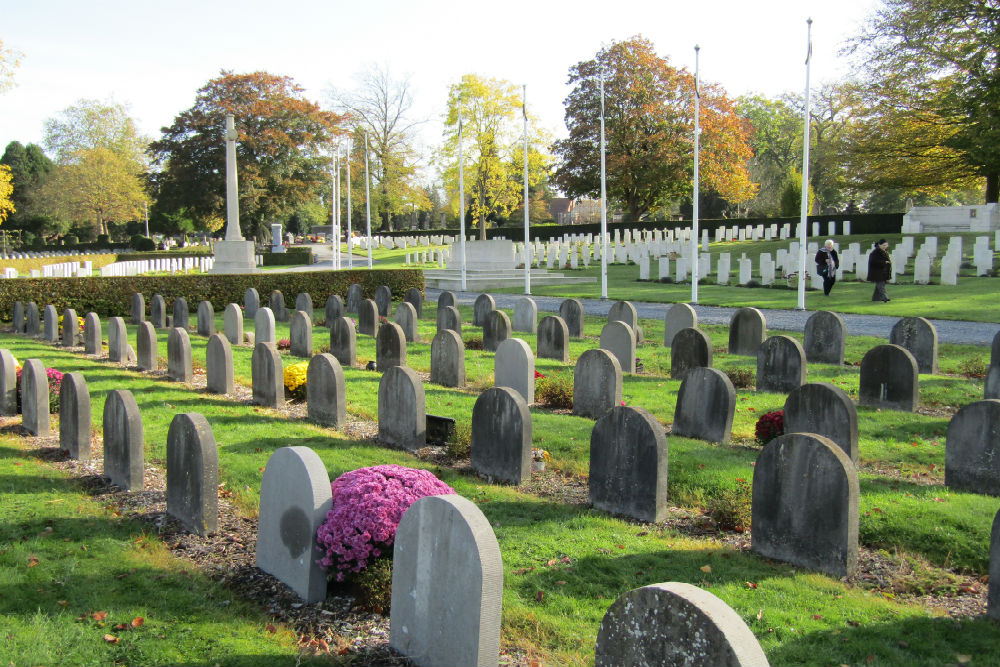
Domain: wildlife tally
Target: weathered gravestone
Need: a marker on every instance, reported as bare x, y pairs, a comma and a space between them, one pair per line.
496, 330
367, 317
326, 392
117, 340
675, 624
993, 595
514, 367
18, 317
415, 298
383, 300
304, 302
402, 411
447, 583
300, 334
918, 336
525, 315
482, 307
265, 330
277, 305
624, 311
8, 383
571, 310
679, 316
991, 387
233, 324
343, 341
746, 332
706, 404
123, 442
158, 311
805, 504
74, 416
995, 350
501, 436
553, 339
32, 324
406, 318
825, 336
972, 449
91, 333
354, 296
193, 473
824, 409
390, 347
781, 365
447, 298
179, 366
182, 318
251, 302
690, 348
619, 339
206, 318
334, 309
51, 331
448, 359
597, 383
628, 465
138, 304
448, 317
147, 347
267, 376
35, 398
888, 379
219, 365
70, 328
295, 497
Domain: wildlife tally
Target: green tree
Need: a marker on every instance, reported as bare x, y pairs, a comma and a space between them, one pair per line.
282, 151
791, 195
776, 141
28, 166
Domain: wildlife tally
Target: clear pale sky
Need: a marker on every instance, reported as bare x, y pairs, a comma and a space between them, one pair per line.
154, 56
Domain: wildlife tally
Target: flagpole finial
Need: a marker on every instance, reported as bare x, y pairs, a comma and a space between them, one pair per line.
697, 48
809, 21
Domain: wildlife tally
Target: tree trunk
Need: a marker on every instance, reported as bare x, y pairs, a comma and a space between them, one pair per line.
992, 187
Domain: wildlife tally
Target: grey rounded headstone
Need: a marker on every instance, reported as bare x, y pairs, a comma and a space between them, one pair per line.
233, 324
18, 317
706, 404
525, 315
402, 412
326, 391
824, 409
416, 298
147, 347
35, 398
51, 321
597, 383
74, 416
295, 497
70, 328
919, 337
678, 316
619, 339
32, 320
781, 365
182, 318
514, 367
219, 365
825, 337
747, 329
300, 334
193, 473
483, 306
343, 341
447, 298
277, 305
690, 348
123, 444
117, 340
889, 379
138, 304
91, 333
995, 350
805, 504
206, 318
251, 302
179, 366
354, 296
501, 436
628, 464
334, 309
8, 383
267, 376
553, 339
675, 624
571, 310
447, 583
406, 318
390, 347
991, 387
383, 300
304, 302
972, 449
993, 594
265, 329
496, 330
448, 317
158, 311
367, 317
448, 359
624, 311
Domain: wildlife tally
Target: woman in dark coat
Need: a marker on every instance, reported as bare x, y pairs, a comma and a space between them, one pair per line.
827, 263
880, 269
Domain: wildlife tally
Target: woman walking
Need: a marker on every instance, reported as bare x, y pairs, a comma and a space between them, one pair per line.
827, 263
880, 269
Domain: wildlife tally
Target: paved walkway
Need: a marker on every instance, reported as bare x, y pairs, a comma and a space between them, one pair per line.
949, 331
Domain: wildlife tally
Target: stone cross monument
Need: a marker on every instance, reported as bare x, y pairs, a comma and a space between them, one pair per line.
235, 254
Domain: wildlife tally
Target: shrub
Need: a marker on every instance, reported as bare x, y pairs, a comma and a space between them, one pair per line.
730, 508
295, 380
460, 442
373, 586
72, 240
769, 426
554, 391
474, 343
742, 378
367, 506
973, 367
141, 243
103, 241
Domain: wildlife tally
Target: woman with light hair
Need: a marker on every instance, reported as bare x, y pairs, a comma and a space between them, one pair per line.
827, 263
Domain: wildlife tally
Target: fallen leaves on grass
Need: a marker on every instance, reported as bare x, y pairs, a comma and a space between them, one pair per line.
32, 561
706, 568
111, 639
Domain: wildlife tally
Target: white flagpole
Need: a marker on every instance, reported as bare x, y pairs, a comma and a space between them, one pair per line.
368, 204
350, 254
336, 211
804, 208
333, 215
527, 249
461, 193
694, 199
604, 206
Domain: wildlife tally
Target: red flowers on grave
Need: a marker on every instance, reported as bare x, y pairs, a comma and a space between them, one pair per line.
284, 344
538, 375
769, 426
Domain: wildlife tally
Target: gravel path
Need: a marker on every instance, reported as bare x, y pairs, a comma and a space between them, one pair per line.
949, 331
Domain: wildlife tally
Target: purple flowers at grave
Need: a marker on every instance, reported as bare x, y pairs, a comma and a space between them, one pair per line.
54, 379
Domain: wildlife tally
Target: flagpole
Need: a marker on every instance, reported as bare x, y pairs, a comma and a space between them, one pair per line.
527, 251
335, 235
368, 204
804, 207
694, 199
604, 205
350, 254
461, 193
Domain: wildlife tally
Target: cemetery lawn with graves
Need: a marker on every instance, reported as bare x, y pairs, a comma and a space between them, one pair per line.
918, 597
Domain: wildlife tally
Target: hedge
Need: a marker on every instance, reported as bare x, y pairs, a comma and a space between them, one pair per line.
112, 296
293, 256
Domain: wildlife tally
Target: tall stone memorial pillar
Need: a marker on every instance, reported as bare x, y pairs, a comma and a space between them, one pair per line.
235, 254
